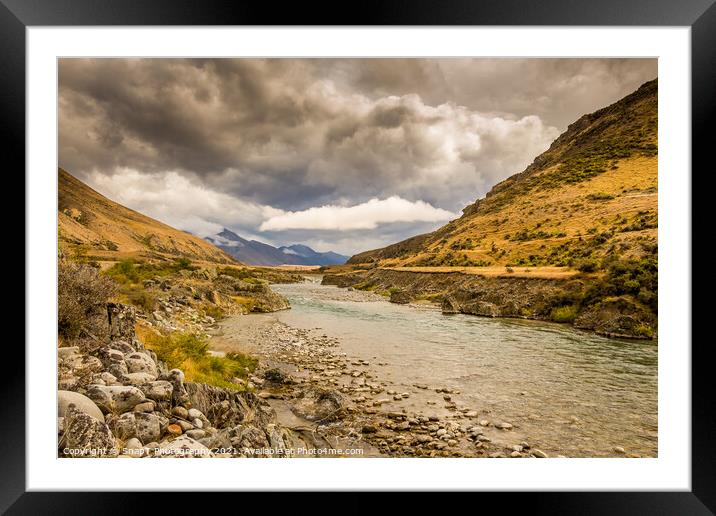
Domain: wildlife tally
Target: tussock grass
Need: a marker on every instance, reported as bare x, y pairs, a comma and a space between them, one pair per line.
190, 353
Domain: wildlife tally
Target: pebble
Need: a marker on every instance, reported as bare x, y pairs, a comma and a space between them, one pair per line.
619, 449
539, 454
174, 429
504, 426
180, 412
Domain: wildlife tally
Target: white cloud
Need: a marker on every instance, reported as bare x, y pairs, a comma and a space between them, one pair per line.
367, 215
175, 200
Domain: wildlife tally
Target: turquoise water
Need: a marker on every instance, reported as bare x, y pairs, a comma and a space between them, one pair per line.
571, 392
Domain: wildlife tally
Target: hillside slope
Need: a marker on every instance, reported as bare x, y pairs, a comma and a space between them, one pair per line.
98, 228
572, 238
591, 195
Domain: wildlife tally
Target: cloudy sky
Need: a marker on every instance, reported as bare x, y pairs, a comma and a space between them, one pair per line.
339, 154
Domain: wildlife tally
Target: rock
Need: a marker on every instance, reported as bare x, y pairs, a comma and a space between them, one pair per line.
503, 426
133, 444
484, 422
196, 434
122, 345
86, 436
122, 319
277, 377
145, 427
423, 438
68, 351
109, 356
619, 449
116, 399
516, 448
400, 297
185, 425
539, 453
195, 414
141, 363
471, 413
515, 454
180, 412
441, 432
319, 405
81, 403
183, 446
402, 426
136, 379
179, 392
174, 429
161, 390
369, 429
145, 406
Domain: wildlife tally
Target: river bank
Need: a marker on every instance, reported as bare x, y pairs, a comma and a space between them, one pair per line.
409, 391
586, 301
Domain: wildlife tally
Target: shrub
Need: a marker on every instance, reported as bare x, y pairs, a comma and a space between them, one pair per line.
213, 310
82, 295
564, 314
142, 299
586, 265
129, 271
600, 196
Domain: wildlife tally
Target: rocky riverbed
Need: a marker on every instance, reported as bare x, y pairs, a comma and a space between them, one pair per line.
342, 399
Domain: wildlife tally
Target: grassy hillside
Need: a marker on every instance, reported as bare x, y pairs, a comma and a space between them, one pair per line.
591, 197
96, 228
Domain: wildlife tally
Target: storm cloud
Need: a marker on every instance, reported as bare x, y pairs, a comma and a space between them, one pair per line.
269, 147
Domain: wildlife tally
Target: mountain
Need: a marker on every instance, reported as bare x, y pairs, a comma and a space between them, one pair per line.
254, 252
311, 257
592, 195
96, 227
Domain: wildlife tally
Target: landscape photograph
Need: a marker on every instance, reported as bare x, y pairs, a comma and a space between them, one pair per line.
357, 258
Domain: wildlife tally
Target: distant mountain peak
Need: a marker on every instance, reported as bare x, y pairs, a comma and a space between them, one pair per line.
254, 252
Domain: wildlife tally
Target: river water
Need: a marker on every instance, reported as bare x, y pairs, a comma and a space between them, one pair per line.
573, 393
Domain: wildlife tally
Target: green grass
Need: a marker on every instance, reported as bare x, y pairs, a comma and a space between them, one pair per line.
190, 353
564, 314
131, 271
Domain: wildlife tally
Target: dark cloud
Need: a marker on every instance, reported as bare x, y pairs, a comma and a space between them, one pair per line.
295, 134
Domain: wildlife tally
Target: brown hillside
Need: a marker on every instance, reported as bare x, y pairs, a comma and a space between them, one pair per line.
591, 195
93, 226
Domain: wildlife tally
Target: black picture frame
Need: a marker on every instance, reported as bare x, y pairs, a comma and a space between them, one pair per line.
700, 15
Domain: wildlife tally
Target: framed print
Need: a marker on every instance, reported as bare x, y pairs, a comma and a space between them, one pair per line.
413, 250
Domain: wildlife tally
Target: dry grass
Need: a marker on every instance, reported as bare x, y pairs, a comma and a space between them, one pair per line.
103, 230
536, 223
499, 271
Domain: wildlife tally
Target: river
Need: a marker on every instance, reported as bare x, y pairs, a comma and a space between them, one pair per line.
575, 393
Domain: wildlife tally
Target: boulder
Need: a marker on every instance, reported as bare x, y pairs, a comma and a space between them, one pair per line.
183, 446
319, 405
81, 403
136, 379
115, 399
400, 297
143, 426
161, 390
85, 436
141, 363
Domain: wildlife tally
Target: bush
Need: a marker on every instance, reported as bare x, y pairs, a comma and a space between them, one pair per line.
82, 295
586, 265
129, 271
564, 314
142, 299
